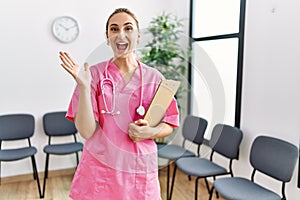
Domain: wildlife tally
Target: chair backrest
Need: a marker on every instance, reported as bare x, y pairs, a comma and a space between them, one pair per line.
16, 126
55, 124
274, 157
194, 128
226, 140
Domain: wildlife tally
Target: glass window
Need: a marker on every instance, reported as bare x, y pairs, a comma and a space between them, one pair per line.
215, 17
214, 76
216, 63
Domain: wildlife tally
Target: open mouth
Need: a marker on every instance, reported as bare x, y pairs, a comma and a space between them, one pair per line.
122, 46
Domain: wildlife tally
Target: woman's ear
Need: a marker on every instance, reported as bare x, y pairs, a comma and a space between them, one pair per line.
107, 40
138, 40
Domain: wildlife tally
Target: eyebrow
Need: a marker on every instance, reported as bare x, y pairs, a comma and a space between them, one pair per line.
127, 23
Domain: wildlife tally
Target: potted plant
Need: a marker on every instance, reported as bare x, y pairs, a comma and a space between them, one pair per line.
164, 51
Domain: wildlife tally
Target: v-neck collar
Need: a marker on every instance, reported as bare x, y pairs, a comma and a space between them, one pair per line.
120, 83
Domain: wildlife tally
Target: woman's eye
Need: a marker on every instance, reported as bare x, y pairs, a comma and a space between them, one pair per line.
114, 29
129, 28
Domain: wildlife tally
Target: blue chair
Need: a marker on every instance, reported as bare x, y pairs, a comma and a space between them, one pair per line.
225, 140
56, 125
193, 130
270, 156
18, 127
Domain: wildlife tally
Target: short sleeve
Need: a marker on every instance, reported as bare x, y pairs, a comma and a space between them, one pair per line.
172, 114
153, 77
72, 110
73, 106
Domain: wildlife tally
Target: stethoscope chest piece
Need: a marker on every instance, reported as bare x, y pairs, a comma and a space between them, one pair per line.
141, 110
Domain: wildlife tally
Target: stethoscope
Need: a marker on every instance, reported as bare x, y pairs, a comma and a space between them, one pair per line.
108, 81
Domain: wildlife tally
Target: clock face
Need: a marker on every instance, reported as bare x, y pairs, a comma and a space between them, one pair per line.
65, 29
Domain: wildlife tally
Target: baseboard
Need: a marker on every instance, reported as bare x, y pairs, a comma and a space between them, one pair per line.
29, 177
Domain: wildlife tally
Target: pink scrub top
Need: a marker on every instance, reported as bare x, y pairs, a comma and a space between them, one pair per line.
112, 166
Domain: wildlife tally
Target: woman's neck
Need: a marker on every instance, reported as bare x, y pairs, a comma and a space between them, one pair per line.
126, 64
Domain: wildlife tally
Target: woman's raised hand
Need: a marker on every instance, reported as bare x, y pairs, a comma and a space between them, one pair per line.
82, 77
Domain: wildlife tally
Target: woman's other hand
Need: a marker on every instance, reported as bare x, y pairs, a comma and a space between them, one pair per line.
82, 77
140, 130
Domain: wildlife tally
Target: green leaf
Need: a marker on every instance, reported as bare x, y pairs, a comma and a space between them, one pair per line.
164, 52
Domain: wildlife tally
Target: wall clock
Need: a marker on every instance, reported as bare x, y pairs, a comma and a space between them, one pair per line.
65, 29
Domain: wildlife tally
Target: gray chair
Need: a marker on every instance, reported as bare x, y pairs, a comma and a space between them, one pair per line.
225, 140
193, 130
18, 127
56, 125
270, 156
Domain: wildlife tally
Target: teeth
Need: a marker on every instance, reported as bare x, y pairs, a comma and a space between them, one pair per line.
122, 46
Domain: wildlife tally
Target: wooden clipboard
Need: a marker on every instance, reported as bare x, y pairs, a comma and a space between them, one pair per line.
161, 101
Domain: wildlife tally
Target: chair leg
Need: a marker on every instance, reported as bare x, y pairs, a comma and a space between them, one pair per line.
196, 188
211, 193
217, 194
207, 185
173, 180
36, 175
77, 158
46, 173
168, 180
0, 172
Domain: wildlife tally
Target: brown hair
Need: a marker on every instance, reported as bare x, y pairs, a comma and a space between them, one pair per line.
122, 10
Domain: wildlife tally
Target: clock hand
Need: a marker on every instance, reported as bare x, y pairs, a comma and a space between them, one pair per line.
63, 27
71, 27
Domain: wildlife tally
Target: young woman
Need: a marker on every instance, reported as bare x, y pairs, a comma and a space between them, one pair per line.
119, 159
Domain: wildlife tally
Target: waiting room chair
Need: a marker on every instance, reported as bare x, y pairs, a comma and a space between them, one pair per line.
225, 140
193, 130
270, 156
56, 125
18, 127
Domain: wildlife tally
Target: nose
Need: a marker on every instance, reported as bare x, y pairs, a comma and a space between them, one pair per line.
122, 34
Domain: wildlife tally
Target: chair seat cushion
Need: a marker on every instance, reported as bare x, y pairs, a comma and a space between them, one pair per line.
62, 149
159, 146
199, 167
173, 152
243, 189
17, 154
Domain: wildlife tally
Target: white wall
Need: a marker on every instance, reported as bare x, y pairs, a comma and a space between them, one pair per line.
271, 94
31, 79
